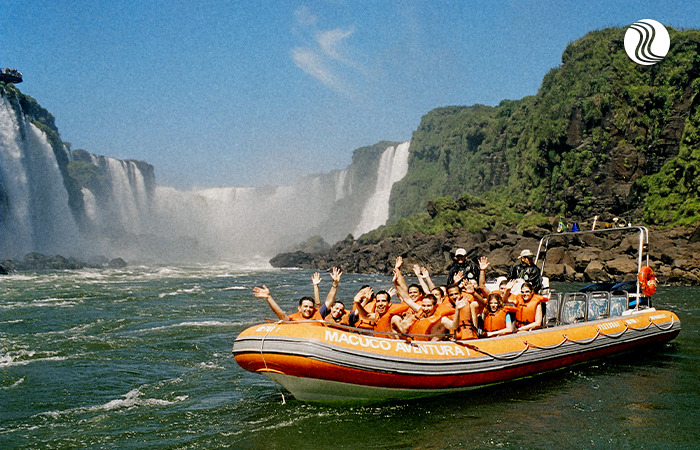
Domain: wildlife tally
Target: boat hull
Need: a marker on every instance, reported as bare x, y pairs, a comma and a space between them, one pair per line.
323, 363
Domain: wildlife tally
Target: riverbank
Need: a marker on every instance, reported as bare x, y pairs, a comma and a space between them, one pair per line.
673, 254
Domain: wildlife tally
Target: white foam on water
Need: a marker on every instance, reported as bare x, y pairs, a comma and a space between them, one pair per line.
197, 324
13, 321
210, 365
9, 361
15, 384
193, 290
131, 399
54, 302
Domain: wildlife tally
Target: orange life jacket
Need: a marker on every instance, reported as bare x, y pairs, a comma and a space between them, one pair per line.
527, 312
383, 323
424, 324
497, 321
344, 319
446, 308
466, 329
366, 324
297, 316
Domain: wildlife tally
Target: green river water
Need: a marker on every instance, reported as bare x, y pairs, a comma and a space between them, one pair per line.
141, 358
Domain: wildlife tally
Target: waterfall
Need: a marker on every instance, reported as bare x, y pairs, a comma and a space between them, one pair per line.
125, 214
121, 204
393, 166
34, 211
341, 189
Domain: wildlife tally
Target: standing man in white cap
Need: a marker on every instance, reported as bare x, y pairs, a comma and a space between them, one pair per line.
469, 269
527, 270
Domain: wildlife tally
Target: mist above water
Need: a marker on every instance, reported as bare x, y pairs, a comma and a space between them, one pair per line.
128, 215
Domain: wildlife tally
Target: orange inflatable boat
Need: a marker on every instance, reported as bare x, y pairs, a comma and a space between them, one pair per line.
323, 362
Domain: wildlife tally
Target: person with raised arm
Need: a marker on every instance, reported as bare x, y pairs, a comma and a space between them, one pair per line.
315, 281
426, 283
483, 265
463, 267
305, 310
384, 310
334, 311
468, 302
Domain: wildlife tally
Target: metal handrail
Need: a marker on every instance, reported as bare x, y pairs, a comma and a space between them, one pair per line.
643, 248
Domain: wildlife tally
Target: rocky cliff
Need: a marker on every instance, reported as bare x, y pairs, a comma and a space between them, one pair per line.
673, 254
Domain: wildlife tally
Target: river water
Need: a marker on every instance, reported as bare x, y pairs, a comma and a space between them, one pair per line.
141, 357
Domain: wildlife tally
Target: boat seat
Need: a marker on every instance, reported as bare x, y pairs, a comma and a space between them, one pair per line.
618, 303
573, 308
598, 305
551, 310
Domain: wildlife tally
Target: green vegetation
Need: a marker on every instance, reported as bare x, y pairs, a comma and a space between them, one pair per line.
88, 175
673, 194
602, 135
468, 212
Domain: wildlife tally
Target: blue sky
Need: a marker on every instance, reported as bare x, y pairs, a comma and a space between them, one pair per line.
236, 93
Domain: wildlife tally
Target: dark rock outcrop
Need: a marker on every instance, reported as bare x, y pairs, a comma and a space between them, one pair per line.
672, 255
38, 262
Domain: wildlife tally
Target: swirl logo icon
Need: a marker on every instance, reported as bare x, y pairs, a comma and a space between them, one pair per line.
647, 42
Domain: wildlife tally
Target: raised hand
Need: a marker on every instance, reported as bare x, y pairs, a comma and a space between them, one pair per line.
458, 277
416, 270
398, 263
316, 279
362, 294
335, 274
483, 263
262, 292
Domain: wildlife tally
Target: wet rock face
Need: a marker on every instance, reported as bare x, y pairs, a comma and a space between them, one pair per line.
37, 262
672, 255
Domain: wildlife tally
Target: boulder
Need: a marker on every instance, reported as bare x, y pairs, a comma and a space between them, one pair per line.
596, 272
116, 263
622, 266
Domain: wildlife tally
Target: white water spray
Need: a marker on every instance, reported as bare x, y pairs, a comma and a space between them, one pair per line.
35, 214
392, 168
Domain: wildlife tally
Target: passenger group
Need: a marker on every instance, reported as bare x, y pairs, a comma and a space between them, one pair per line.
461, 309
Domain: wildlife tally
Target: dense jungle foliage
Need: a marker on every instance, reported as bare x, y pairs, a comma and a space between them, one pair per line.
602, 134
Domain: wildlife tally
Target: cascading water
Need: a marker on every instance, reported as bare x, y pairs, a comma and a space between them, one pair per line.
35, 216
125, 214
392, 168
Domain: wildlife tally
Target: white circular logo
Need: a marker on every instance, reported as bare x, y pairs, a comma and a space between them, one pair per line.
647, 42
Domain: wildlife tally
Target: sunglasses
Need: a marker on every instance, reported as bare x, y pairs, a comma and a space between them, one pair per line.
525, 292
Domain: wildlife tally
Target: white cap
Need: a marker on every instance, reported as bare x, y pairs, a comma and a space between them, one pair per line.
526, 253
460, 252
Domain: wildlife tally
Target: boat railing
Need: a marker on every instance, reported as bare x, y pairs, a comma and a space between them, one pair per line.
574, 307
642, 258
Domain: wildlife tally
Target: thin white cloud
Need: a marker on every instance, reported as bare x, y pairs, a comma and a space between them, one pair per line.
331, 40
312, 63
324, 57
